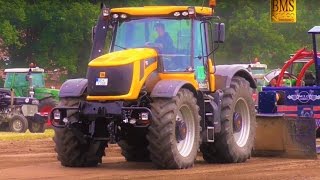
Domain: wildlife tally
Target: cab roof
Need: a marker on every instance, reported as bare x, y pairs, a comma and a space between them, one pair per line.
160, 10
23, 70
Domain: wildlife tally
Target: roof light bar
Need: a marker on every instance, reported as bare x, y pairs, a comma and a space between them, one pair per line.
115, 16
106, 12
185, 13
192, 12
123, 16
177, 14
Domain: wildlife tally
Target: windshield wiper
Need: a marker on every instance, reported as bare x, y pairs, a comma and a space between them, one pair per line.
120, 47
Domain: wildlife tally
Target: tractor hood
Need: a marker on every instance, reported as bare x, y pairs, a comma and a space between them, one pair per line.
123, 57
41, 93
121, 74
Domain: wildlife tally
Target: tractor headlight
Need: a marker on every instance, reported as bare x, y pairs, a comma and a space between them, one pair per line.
115, 16
176, 14
106, 12
144, 116
192, 12
35, 102
56, 115
31, 93
27, 100
185, 13
123, 16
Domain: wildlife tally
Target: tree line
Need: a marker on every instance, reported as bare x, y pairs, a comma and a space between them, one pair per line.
57, 33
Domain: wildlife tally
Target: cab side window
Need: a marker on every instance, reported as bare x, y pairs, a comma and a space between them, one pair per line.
200, 50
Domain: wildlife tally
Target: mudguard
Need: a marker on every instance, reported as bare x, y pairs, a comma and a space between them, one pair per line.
170, 88
225, 73
73, 88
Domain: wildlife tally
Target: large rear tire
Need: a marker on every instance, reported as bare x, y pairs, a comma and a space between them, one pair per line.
72, 150
174, 133
47, 104
235, 142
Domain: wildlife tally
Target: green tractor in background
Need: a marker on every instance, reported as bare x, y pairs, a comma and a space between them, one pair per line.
30, 82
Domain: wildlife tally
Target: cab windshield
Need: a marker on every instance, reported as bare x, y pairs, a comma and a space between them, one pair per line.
258, 70
171, 37
19, 80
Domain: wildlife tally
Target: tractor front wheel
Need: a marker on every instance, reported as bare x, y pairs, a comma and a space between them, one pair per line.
73, 149
35, 127
18, 123
134, 152
174, 133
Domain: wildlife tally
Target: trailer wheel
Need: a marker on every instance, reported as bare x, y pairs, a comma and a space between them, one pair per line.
74, 150
174, 133
134, 153
35, 127
235, 142
18, 123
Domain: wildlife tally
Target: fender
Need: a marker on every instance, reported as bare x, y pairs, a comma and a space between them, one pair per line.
170, 88
73, 88
225, 73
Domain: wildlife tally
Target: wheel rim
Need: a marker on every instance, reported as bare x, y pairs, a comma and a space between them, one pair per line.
185, 130
241, 122
17, 125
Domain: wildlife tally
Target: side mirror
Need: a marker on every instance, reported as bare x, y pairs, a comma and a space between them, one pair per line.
219, 33
93, 33
27, 77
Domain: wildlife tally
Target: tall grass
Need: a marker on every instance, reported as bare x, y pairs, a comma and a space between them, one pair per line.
10, 136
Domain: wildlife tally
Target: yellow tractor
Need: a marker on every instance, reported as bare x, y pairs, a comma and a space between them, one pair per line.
157, 93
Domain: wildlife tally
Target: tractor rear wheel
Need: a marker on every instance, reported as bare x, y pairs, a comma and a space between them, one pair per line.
174, 133
235, 142
18, 123
72, 148
47, 104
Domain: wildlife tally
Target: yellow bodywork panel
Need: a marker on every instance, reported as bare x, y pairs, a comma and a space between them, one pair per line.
189, 77
212, 78
141, 58
123, 57
160, 10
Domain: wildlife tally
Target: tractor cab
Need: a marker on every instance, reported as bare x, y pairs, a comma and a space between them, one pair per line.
20, 79
178, 41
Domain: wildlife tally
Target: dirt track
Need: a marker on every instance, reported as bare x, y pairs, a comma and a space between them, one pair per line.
35, 159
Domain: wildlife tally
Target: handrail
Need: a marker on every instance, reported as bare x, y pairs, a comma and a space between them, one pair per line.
303, 71
300, 54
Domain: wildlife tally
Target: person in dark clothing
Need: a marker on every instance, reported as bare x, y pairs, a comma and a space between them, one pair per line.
164, 40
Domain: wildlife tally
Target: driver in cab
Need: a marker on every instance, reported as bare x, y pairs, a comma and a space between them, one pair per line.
164, 41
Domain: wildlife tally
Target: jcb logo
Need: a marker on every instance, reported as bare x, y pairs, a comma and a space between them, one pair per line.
283, 11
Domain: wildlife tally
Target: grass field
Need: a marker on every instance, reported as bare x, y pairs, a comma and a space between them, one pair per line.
10, 136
